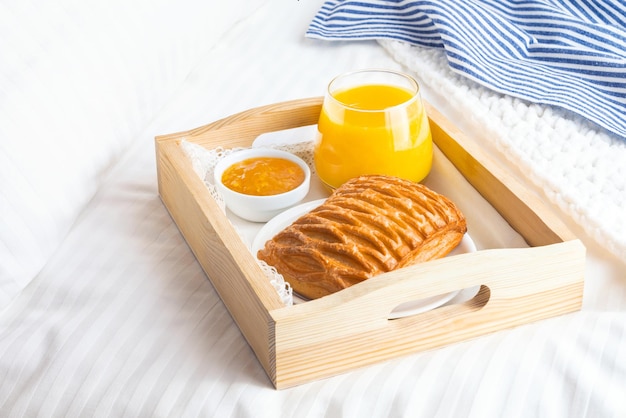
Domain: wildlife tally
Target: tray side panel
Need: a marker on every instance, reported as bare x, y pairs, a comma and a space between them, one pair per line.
525, 212
241, 129
351, 330
219, 250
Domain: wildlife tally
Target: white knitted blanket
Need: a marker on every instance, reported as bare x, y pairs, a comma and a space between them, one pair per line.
580, 167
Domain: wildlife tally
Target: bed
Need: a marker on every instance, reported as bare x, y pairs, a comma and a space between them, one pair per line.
105, 311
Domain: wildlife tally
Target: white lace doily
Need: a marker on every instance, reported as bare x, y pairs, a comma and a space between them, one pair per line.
204, 161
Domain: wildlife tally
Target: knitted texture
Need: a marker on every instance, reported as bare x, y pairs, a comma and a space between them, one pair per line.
580, 167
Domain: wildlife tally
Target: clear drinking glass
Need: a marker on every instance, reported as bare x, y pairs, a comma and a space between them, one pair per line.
372, 122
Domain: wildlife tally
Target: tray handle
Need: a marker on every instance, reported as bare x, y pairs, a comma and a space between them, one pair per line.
352, 328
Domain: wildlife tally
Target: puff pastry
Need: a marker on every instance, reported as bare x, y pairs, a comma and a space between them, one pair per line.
370, 225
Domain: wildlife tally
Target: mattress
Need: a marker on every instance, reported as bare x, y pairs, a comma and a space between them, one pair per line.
120, 320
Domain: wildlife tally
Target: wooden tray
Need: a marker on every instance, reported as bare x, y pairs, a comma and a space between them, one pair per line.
350, 329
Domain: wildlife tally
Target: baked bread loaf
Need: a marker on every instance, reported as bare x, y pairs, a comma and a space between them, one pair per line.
370, 225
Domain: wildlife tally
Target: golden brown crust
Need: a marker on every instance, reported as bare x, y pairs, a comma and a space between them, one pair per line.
370, 225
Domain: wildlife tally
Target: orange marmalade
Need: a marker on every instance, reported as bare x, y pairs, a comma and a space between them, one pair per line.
263, 176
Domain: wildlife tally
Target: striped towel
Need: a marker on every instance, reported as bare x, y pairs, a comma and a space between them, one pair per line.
570, 54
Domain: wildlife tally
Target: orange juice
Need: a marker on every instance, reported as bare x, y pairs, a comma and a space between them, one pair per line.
373, 129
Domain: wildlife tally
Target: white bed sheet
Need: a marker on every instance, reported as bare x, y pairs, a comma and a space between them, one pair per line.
122, 320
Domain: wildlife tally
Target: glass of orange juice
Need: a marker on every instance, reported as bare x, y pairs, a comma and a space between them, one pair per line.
372, 122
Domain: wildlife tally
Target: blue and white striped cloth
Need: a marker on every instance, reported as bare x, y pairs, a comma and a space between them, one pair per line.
567, 53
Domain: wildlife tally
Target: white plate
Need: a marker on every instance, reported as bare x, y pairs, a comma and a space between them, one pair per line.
280, 222
286, 218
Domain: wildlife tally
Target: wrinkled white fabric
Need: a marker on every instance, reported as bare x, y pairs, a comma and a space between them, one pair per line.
78, 82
